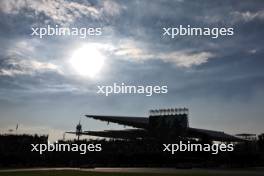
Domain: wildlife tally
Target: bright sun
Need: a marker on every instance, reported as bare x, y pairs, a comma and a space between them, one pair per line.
87, 61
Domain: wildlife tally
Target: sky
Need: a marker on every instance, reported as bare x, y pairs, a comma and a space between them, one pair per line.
220, 80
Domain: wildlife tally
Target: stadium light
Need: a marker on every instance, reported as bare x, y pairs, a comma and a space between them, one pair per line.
169, 112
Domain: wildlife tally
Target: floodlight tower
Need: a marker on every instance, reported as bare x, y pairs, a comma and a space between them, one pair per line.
78, 130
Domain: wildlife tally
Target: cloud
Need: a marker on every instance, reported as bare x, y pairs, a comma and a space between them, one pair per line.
60, 11
186, 59
11, 7
20, 59
111, 8
181, 58
13, 67
248, 16
21, 48
130, 50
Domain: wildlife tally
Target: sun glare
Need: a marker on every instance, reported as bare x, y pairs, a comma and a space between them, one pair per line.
87, 61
